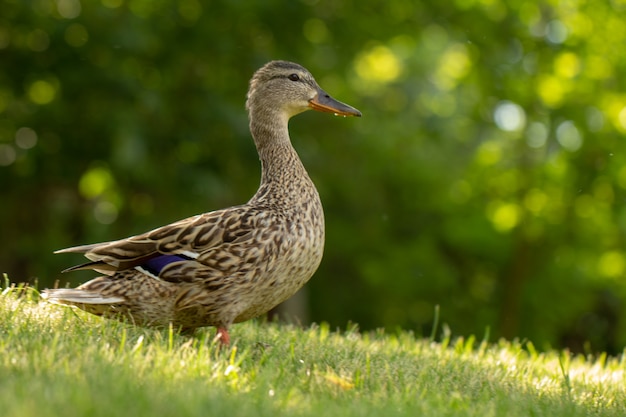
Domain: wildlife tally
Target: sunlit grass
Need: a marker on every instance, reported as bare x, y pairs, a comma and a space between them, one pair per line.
58, 361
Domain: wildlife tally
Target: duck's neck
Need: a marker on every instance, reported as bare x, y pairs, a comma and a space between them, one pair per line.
281, 167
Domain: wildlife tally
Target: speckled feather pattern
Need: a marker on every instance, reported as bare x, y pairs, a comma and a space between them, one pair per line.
236, 263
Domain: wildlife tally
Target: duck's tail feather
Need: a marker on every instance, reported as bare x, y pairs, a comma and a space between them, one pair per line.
73, 296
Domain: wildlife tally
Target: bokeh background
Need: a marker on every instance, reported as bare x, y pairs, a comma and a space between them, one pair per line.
487, 175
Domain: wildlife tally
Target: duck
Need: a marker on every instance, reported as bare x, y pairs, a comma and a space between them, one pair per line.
230, 265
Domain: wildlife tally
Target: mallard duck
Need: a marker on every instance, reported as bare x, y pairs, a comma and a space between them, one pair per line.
229, 265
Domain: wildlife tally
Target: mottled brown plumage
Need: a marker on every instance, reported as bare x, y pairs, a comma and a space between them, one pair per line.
229, 265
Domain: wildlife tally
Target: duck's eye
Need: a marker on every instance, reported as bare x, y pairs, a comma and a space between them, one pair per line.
294, 77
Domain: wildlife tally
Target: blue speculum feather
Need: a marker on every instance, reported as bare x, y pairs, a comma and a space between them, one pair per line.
156, 265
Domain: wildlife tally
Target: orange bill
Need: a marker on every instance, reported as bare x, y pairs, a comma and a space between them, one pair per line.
325, 103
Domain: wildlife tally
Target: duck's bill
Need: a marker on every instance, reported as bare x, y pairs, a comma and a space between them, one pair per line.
325, 103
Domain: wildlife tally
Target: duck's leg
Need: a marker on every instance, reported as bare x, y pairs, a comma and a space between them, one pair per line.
223, 336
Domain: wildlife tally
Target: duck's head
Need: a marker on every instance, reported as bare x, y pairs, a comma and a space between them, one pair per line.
290, 89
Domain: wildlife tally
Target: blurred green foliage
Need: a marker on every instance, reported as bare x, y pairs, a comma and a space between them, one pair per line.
487, 176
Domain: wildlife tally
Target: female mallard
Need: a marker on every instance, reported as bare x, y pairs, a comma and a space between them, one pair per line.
230, 265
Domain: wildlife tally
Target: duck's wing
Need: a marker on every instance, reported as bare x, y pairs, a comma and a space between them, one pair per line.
182, 245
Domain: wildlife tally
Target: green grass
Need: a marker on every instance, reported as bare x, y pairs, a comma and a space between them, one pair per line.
57, 361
